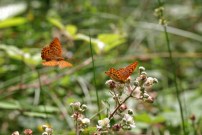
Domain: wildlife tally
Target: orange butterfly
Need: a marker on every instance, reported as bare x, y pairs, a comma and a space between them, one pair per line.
121, 74
52, 55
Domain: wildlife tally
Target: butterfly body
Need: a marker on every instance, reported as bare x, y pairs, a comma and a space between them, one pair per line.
52, 55
122, 74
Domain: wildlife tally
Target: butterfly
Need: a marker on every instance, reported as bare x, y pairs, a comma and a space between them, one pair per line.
121, 74
52, 55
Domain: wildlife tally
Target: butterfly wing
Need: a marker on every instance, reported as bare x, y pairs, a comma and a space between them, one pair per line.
46, 53
127, 71
50, 63
56, 48
121, 74
113, 73
63, 64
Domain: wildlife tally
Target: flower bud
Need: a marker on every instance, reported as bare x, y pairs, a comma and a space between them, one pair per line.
75, 105
193, 117
49, 130
141, 69
155, 80
104, 123
44, 133
111, 84
136, 83
28, 132
84, 107
149, 100
16, 133
116, 127
123, 107
130, 111
44, 127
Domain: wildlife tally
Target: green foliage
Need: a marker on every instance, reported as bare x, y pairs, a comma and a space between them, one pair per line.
121, 32
13, 22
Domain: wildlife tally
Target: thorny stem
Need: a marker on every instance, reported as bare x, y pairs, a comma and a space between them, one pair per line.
115, 110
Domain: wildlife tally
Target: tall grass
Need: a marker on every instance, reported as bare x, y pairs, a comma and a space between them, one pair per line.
173, 68
94, 78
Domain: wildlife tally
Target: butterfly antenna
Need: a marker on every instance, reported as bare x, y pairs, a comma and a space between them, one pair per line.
94, 79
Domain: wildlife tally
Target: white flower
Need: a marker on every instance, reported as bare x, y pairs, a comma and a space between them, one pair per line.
49, 130
85, 121
150, 81
128, 120
103, 123
16, 133
75, 105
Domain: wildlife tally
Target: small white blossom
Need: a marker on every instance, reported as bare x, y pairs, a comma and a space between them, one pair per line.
49, 131
103, 123
85, 121
75, 105
128, 120
150, 81
16, 133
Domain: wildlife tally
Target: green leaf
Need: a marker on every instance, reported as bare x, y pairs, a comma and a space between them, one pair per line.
37, 114
13, 22
10, 105
89, 131
56, 23
143, 118
15, 53
96, 44
111, 40
149, 119
72, 29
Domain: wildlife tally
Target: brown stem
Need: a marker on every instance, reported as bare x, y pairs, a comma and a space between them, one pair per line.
112, 114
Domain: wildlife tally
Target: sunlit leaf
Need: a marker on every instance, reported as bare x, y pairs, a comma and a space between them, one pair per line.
97, 44
11, 10
15, 53
13, 22
72, 29
111, 40
56, 23
10, 105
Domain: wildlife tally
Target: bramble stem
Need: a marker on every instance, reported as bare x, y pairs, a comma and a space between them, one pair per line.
115, 110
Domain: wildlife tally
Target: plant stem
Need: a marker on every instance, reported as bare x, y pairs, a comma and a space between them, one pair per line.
115, 110
94, 79
42, 95
174, 72
175, 79
77, 128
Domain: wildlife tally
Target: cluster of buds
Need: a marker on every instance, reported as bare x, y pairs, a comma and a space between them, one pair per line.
103, 124
47, 130
127, 122
26, 132
116, 87
15, 133
121, 92
158, 12
144, 83
78, 110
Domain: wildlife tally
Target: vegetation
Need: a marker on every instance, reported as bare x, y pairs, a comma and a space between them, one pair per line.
164, 37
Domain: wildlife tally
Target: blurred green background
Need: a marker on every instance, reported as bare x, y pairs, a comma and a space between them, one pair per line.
121, 32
